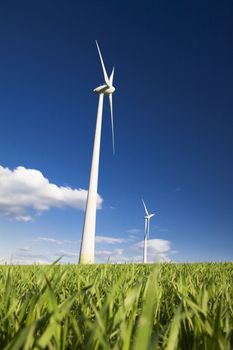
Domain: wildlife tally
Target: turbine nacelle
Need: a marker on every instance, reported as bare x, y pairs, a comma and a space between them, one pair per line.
148, 217
104, 89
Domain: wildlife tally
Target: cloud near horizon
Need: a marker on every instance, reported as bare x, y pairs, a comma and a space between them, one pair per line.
109, 240
53, 240
134, 231
158, 249
26, 192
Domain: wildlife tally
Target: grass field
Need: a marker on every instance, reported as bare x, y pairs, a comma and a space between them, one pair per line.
166, 306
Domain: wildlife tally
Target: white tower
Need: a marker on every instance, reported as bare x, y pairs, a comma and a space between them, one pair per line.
147, 218
87, 250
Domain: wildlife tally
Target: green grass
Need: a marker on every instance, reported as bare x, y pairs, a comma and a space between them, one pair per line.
167, 306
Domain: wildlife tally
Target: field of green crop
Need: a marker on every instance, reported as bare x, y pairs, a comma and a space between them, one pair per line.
166, 306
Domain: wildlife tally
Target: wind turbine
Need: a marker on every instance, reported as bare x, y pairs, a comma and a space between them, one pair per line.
87, 250
147, 218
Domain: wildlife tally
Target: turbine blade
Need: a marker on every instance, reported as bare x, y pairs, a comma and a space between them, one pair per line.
111, 77
103, 66
145, 207
113, 138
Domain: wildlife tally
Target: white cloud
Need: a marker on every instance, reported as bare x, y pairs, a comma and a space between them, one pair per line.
69, 254
112, 256
133, 238
109, 240
103, 252
134, 231
30, 261
101, 255
24, 249
27, 257
47, 239
158, 249
117, 252
55, 241
24, 192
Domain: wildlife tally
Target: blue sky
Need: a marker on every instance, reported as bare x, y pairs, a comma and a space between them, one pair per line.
173, 128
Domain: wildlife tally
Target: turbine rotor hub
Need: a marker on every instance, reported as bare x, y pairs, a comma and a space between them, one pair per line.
110, 90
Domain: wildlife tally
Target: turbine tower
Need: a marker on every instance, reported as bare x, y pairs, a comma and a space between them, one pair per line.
87, 250
147, 218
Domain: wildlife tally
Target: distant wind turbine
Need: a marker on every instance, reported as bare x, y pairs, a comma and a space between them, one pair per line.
147, 218
87, 250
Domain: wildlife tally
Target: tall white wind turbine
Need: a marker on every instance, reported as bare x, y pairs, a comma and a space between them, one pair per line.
147, 218
87, 250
